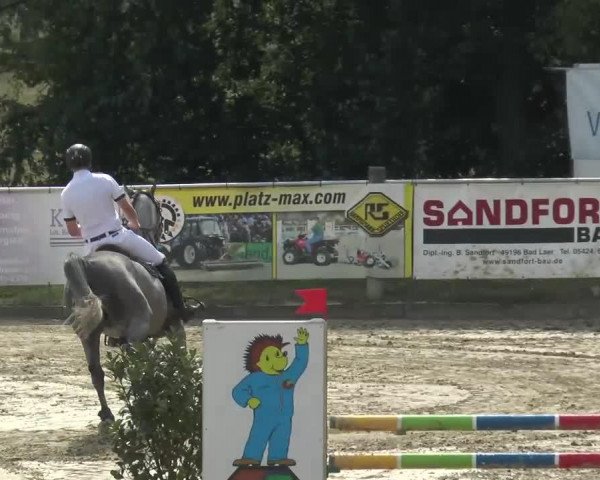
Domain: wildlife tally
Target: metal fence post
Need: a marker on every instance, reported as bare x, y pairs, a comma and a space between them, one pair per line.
375, 286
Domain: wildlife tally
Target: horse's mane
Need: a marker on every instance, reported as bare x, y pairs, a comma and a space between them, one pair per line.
150, 231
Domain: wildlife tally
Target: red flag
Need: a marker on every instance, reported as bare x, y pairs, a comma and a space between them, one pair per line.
315, 301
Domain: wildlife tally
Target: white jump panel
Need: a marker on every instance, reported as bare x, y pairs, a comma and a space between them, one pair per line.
264, 400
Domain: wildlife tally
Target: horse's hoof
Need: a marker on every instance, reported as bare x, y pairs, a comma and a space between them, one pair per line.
106, 415
104, 426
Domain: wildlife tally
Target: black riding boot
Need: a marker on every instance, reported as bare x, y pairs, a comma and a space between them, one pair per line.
172, 288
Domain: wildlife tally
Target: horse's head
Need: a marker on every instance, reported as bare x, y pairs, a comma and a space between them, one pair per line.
149, 213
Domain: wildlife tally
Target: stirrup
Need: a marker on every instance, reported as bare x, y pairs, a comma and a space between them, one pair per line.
199, 305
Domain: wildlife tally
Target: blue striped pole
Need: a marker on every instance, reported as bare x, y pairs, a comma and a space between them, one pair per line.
465, 461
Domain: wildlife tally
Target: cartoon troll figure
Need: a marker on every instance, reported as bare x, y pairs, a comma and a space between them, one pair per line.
269, 391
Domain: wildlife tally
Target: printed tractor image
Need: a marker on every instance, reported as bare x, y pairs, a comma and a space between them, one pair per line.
201, 244
200, 239
322, 252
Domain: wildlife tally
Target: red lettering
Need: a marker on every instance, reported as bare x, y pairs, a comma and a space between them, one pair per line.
588, 207
556, 211
511, 219
454, 217
537, 211
516, 211
434, 216
492, 215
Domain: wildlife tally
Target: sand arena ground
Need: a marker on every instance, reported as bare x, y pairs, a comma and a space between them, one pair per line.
48, 422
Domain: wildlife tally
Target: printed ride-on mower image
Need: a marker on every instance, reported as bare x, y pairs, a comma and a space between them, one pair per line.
322, 253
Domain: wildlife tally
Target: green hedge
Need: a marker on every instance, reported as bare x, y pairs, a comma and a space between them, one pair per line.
158, 433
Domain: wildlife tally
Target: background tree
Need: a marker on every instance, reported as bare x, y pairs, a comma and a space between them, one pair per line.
129, 78
234, 90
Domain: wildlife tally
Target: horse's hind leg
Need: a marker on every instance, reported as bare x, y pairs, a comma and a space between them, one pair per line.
138, 315
91, 347
137, 330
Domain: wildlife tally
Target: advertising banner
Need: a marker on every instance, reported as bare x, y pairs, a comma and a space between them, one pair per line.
34, 241
233, 233
583, 110
218, 234
336, 230
365, 236
506, 230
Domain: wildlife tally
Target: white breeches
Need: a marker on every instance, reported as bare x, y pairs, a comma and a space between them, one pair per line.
131, 243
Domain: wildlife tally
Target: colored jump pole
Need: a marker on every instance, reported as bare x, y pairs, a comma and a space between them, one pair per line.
464, 461
403, 423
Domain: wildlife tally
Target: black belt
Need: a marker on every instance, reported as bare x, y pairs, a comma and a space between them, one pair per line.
101, 236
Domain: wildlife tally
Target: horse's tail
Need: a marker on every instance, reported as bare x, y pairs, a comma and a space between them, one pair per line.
87, 307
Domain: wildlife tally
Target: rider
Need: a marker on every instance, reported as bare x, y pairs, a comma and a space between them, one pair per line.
317, 234
88, 203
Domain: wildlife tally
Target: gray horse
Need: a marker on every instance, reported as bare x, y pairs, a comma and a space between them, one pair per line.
109, 292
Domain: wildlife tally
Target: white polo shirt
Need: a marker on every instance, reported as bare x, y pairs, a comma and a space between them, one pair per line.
90, 198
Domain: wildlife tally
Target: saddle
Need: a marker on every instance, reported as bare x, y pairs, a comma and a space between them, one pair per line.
152, 270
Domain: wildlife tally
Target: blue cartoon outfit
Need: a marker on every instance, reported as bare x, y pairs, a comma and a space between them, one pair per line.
272, 422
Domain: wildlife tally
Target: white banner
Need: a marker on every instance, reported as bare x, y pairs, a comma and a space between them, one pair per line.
583, 108
34, 241
506, 230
